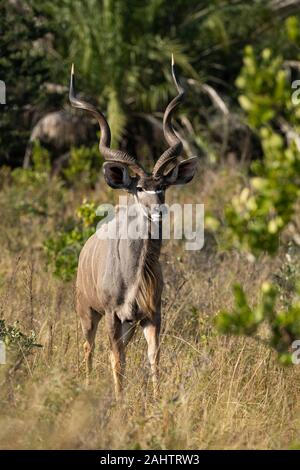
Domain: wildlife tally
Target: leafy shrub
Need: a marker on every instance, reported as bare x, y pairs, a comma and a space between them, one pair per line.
11, 335
283, 325
62, 251
263, 208
264, 86
38, 173
31, 191
84, 164
18, 344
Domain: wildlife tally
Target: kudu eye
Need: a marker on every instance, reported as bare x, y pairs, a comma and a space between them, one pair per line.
139, 189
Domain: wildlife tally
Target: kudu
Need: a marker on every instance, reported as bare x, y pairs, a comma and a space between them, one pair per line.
121, 279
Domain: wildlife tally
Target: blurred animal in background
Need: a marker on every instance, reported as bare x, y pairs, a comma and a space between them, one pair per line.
57, 132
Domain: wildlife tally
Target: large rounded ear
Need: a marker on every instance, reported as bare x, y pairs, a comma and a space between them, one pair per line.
183, 172
116, 175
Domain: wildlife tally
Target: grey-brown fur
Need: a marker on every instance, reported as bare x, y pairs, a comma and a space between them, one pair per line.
121, 279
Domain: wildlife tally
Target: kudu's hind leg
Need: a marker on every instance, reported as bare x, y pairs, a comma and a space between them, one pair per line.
151, 332
89, 321
117, 352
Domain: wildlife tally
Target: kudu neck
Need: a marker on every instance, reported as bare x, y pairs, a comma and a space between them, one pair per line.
151, 229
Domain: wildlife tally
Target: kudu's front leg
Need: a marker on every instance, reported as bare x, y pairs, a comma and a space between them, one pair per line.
151, 331
117, 353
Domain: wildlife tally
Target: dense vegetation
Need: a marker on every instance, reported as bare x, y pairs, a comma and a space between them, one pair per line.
122, 53
238, 61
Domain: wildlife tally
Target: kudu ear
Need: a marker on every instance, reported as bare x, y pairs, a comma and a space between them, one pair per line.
116, 175
183, 172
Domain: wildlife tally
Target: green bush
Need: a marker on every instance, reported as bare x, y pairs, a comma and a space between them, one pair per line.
263, 209
12, 335
266, 205
283, 325
62, 250
84, 165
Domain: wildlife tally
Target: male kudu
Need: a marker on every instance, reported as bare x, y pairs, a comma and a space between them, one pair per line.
121, 279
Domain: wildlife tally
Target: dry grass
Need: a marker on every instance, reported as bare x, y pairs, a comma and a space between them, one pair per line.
216, 392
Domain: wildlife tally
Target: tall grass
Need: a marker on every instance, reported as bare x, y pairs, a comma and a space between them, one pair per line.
216, 392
